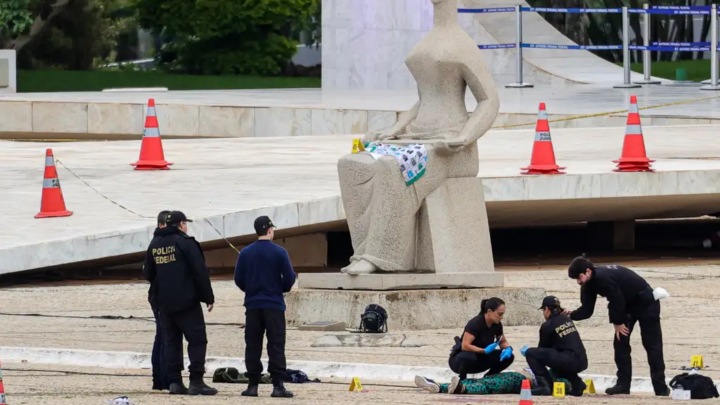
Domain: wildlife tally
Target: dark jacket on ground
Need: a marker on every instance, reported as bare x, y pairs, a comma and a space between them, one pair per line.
622, 287
559, 333
263, 271
175, 265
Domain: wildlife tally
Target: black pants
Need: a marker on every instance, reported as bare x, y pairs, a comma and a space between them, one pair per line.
159, 368
191, 324
564, 365
465, 363
651, 334
259, 322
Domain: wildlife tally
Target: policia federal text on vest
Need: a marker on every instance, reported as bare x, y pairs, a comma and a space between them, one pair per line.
175, 265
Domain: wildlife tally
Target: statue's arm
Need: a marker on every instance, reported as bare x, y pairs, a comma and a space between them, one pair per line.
404, 119
482, 86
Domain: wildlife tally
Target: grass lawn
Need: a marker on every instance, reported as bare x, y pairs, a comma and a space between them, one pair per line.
61, 80
696, 70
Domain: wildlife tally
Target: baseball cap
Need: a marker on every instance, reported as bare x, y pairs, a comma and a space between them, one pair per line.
162, 217
262, 224
550, 301
176, 217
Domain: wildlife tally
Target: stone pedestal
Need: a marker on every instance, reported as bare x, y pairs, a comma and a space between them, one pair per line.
409, 281
413, 309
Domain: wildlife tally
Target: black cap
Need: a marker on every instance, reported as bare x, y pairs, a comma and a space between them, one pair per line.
578, 266
162, 217
262, 224
176, 217
550, 301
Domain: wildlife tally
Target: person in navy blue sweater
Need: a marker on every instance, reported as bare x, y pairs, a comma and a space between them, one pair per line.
263, 272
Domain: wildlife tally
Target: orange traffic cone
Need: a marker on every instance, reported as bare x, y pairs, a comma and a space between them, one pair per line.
543, 155
525, 393
634, 158
2, 389
152, 156
52, 203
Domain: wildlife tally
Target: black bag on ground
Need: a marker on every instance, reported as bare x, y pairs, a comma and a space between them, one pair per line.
700, 386
374, 319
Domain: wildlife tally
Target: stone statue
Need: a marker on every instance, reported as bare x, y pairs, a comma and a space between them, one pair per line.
381, 209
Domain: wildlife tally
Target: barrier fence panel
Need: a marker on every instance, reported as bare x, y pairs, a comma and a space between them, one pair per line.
647, 47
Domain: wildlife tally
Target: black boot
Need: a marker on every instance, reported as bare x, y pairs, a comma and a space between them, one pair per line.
542, 388
617, 389
577, 387
178, 388
251, 391
279, 391
198, 387
664, 391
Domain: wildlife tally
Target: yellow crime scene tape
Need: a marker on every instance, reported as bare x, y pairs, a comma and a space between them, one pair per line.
608, 113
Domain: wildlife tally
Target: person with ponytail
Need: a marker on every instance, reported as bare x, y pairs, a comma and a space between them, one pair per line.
560, 349
482, 345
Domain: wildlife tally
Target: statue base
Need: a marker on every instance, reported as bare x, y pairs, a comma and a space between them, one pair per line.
400, 281
413, 309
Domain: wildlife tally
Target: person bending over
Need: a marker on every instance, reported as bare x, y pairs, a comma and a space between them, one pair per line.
560, 349
482, 345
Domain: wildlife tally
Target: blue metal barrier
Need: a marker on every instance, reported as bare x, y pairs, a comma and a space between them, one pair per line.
647, 47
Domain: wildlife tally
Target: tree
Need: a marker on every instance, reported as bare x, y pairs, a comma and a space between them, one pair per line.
225, 36
22, 21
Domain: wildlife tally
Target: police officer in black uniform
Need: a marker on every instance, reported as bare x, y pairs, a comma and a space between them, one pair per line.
175, 263
630, 300
159, 368
560, 349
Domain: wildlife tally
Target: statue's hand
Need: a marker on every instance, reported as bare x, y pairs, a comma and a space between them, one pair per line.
445, 148
374, 136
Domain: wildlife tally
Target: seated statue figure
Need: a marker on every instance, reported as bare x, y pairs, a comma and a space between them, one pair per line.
380, 204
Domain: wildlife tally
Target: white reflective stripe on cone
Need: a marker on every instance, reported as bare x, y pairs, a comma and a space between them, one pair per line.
542, 136
633, 108
49, 161
542, 115
633, 130
51, 183
151, 132
151, 111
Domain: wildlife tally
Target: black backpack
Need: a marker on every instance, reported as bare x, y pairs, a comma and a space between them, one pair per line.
700, 386
374, 319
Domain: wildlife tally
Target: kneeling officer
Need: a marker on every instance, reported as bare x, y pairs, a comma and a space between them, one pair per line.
560, 348
175, 263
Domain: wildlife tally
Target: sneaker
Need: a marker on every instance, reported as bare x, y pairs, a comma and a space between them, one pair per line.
617, 390
178, 389
456, 387
200, 388
251, 391
427, 384
280, 392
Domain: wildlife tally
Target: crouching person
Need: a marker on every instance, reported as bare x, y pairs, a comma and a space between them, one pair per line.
482, 345
560, 349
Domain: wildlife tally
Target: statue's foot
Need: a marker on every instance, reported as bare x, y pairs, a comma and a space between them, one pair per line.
361, 266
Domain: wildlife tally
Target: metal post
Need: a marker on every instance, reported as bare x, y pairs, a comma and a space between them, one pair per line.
713, 51
626, 53
519, 83
647, 56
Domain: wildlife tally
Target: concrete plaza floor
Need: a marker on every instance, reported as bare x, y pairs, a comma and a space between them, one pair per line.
688, 316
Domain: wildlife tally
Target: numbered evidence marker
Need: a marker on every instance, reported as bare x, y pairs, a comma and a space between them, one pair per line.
357, 146
559, 390
589, 387
355, 385
696, 361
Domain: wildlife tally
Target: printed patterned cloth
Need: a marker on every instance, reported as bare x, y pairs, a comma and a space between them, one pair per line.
412, 158
503, 383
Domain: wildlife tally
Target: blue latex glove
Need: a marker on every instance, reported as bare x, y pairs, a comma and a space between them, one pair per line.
491, 347
523, 350
506, 353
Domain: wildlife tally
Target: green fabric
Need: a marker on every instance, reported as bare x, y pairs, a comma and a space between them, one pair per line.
503, 383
